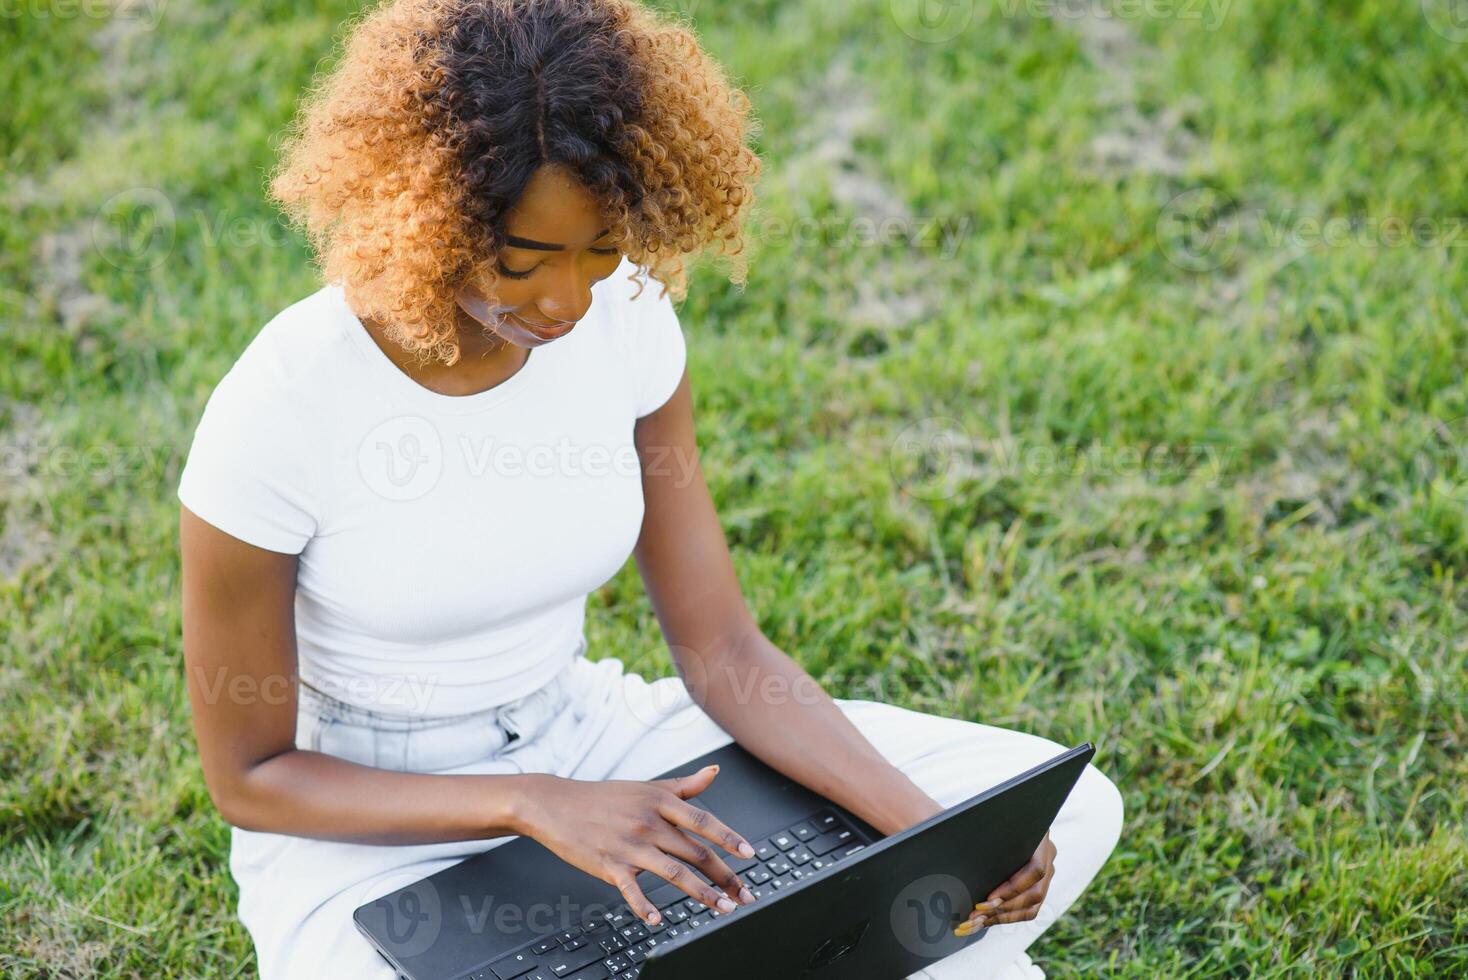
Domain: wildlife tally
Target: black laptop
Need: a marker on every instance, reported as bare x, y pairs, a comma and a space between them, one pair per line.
835, 899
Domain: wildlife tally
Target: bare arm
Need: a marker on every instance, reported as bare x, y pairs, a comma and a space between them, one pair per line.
240, 656
754, 690
240, 652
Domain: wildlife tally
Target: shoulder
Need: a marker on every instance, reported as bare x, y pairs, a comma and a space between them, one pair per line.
285, 382
253, 464
648, 335
296, 346
633, 296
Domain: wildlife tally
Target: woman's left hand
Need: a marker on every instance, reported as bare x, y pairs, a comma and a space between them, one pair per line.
1019, 898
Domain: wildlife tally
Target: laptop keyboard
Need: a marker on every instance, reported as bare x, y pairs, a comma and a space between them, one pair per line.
614, 945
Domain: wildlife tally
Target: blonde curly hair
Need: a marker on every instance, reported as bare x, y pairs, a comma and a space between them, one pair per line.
407, 156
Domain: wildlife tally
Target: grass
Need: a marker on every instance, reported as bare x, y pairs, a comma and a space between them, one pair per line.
1162, 445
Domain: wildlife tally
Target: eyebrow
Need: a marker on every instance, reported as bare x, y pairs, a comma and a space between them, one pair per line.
519, 242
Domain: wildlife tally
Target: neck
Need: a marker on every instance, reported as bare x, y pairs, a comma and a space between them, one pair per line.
485, 359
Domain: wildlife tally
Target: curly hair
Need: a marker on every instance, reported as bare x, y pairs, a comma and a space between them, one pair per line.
407, 156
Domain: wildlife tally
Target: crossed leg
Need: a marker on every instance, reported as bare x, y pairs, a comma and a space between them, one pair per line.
950, 759
635, 729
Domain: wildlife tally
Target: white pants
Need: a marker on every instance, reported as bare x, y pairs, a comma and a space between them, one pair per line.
594, 721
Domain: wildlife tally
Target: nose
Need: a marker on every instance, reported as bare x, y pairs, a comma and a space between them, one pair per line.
568, 296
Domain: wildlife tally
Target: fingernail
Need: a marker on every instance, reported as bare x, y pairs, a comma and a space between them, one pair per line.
746, 896
745, 850
726, 904
714, 767
652, 917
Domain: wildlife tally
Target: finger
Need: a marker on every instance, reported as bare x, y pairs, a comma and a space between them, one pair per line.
702, 857
698, 821
675, 872
1021, 880
1028, 898
971, 925
625, 882
690, 785
1022, 915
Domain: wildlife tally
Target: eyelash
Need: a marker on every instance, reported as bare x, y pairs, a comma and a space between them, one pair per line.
512, 274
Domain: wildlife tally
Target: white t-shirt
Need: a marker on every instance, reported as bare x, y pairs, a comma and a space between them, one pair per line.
447, 543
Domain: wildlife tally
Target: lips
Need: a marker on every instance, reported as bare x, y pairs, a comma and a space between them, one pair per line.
543, 330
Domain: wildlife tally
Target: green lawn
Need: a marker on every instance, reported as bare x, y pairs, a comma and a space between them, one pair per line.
1097, 377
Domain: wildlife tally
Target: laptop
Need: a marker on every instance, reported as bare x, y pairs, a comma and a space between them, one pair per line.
835, 898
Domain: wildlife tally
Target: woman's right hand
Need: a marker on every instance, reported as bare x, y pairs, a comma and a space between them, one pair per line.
615, 829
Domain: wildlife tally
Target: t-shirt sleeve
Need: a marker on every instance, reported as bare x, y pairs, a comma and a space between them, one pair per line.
247, 471
658, 349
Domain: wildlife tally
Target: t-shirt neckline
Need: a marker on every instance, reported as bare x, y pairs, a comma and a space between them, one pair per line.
427, 397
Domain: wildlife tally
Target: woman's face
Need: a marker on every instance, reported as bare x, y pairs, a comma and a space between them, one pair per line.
558, 247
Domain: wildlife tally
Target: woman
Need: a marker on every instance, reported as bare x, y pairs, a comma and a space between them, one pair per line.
399, 497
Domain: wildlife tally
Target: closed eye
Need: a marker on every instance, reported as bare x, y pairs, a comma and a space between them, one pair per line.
509, 273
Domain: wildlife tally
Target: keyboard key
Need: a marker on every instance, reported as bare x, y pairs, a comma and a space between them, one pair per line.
664, 895
778, 866
826, 843
593, 972
784, 841
737, 864
801, 855
566, 962
514, 966
764, 850
826, 821
802, 832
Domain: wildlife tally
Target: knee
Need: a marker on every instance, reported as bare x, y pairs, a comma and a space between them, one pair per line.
1100, 808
